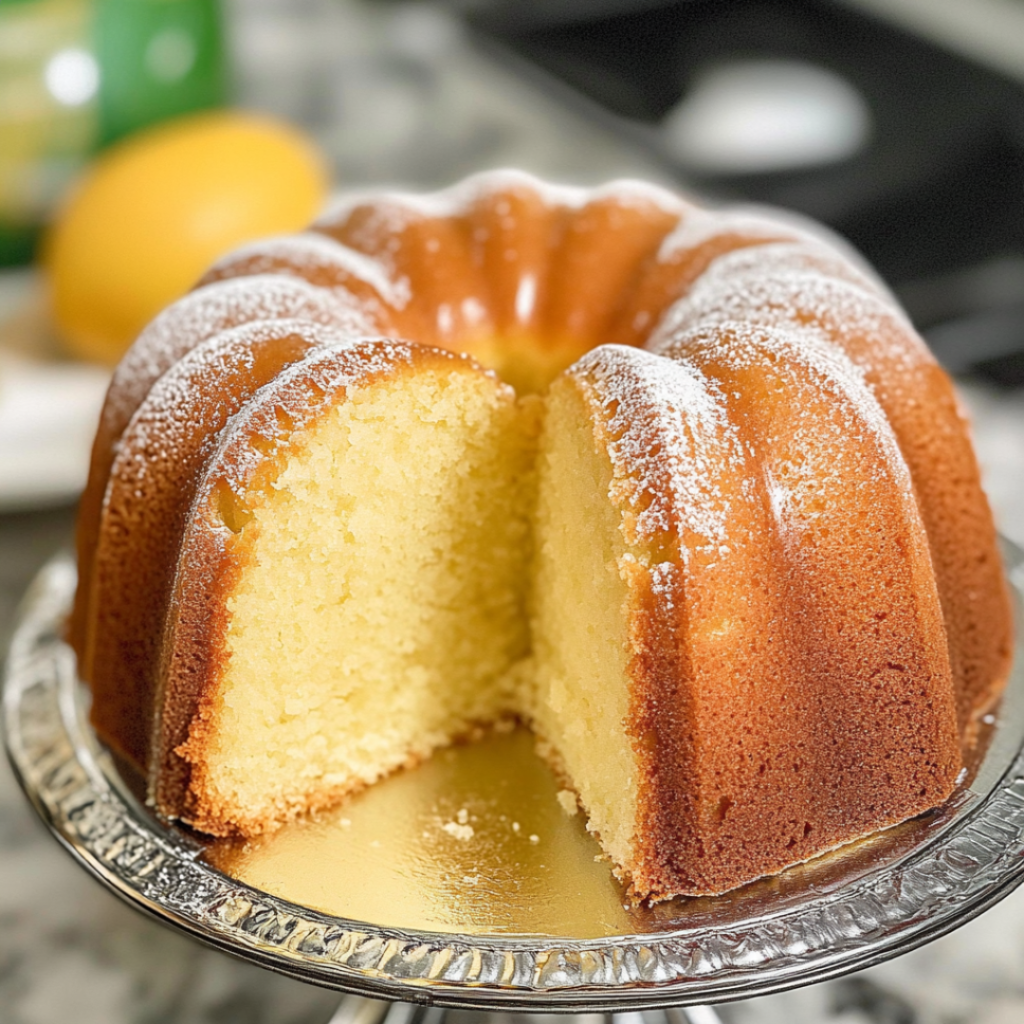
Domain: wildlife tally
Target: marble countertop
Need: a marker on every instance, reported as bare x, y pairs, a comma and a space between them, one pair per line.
70, 951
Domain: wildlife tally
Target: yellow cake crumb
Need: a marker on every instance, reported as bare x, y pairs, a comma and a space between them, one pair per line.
568, 801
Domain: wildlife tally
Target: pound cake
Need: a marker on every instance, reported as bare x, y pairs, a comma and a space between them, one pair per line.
681, 489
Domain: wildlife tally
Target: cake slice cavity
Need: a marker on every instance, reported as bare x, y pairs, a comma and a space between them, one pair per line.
383, 568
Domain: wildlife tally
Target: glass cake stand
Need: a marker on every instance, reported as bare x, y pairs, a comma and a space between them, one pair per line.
467, 884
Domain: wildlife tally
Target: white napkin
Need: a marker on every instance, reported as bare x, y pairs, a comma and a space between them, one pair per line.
48, 415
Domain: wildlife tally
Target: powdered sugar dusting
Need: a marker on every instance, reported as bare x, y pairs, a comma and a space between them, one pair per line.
216, 307
639, 195
152, 438
396, 210
337, 366
313, 256
669, 437
380, 226
374, 222
479, 187
699, 227
773, 259
668, 419
800, 289
828, 401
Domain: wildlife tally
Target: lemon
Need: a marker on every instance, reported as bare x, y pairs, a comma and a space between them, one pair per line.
155, 211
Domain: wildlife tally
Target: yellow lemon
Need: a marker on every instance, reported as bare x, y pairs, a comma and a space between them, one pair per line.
155, 211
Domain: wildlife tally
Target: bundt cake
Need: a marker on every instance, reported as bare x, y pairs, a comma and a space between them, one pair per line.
681, 489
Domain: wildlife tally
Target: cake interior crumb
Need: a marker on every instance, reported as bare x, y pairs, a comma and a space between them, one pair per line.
567, 800
385, 570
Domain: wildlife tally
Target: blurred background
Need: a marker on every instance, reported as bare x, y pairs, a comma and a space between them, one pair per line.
899, 123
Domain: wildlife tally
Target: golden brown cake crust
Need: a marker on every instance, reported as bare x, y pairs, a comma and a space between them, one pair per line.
528, 278
800, 289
